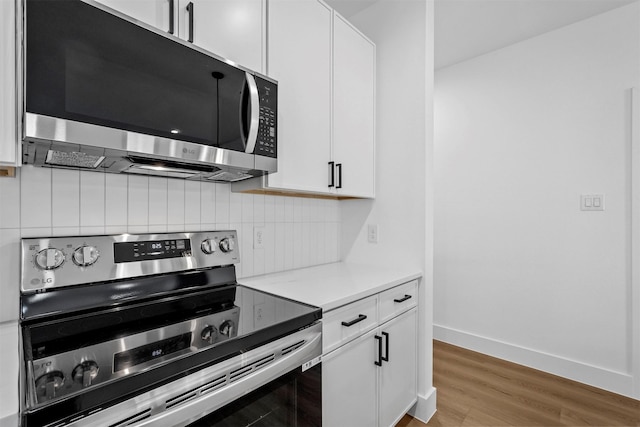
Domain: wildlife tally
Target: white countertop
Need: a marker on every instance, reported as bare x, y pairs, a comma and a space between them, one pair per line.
330, 286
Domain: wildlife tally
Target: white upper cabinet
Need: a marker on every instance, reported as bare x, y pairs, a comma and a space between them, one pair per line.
157, 13
354, 63
8, 134
232, 29
299, 48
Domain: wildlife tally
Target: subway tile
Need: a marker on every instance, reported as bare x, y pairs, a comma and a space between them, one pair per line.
115, 229
307, 209
207, 227
269, 209
35, 200
138, 229
138, 201
65, 231
298, 209
175, 197
279, 208
313, 243
321, 243
92, 230
192, 202
269, 247
29, 233
223, 194
116, 200
289, 203
65, 198
158, 200
10, 201
158, 228
258, 208
235, 207
306, 244
279, 240
245, 238
208, 203
10, 277
247, 207
92, 199
289, 246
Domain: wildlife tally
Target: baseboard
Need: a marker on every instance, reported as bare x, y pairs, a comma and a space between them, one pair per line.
425, 407
612, 381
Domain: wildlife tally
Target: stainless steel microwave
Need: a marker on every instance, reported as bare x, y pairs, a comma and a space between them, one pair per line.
104, 92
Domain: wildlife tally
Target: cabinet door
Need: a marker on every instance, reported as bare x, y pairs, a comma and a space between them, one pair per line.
8, 136
299, 49
156, 13
353, 109
349, 384
398, 376
232, 29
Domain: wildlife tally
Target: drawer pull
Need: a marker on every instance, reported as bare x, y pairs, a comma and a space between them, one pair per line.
406, 297
360, 318
385, 358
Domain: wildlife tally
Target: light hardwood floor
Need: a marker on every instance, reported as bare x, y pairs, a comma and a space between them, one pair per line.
479, 390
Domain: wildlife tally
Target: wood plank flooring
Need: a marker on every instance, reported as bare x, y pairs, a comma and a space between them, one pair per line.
479, 390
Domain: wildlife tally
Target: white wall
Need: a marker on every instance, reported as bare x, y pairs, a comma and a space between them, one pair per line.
520, 272
40, 202
403, 33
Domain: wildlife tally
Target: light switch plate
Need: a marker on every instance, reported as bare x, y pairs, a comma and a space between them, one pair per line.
258, 237
372, 233
592, 202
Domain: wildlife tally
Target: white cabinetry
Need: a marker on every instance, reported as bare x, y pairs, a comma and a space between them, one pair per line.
326, 74
354, 64
299, 58
232, 29
8, 136
369, 377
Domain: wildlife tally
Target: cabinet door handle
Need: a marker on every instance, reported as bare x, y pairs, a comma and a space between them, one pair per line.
171, 17
406, 297
385, 358
332, 174
339, 169
190, 12
379, 361
360, 318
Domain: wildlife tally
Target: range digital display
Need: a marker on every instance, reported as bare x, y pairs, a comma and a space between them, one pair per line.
145, 353
152, 249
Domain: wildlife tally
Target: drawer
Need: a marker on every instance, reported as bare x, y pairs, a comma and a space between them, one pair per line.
346, 323
397, 300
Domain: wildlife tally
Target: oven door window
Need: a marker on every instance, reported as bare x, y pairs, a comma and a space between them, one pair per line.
87, 65
294, 399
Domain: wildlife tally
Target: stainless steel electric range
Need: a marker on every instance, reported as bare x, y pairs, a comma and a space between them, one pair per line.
154, 330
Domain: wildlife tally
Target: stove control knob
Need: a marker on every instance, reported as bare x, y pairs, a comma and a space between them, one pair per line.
208, 246
85, 373
209, 334
228, 244
48, 384
85, 256
227, 328
49, 259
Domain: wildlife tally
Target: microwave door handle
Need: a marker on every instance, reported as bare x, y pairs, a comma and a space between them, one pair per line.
254, 120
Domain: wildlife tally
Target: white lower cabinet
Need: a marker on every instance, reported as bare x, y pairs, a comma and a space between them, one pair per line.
372, 379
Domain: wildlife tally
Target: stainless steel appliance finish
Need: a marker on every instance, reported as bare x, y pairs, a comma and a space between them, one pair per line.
152, 329
111, 105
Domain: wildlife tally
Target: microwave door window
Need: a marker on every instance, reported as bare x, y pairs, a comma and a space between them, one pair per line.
104, 70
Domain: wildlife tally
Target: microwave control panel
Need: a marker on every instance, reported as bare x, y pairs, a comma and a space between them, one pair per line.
266, 144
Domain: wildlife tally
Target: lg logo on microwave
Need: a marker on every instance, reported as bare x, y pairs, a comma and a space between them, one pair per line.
189, 151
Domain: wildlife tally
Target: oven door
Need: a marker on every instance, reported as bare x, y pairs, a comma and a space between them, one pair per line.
293, 399
275, 384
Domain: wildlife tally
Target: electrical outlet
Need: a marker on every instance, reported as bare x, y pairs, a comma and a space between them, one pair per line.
258, 237
372, 233
592, 202
258, 313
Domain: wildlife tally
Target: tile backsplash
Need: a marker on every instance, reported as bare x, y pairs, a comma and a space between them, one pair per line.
40, 202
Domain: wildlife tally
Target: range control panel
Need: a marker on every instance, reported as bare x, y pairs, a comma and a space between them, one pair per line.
54, 262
